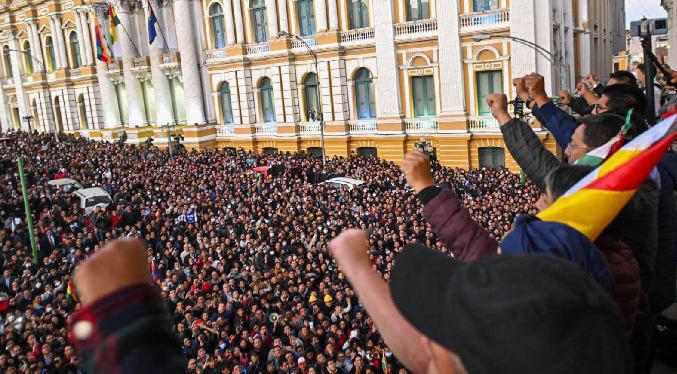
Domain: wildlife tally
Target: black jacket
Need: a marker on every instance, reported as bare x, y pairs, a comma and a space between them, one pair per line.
639, 233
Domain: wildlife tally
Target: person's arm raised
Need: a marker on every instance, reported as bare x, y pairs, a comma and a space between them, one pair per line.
350, 251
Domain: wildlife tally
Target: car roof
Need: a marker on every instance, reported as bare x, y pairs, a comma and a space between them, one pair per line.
91, 192
345, 180
61, 182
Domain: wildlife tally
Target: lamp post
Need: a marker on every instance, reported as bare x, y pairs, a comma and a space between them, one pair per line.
425, 147
317, 70
28, 119
168, 131
542, 51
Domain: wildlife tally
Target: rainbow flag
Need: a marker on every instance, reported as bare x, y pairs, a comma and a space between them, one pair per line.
154, 271
70, 293
102, 53
591, 204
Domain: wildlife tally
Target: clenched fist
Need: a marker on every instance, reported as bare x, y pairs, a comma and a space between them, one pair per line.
350, 251
536, 86
416, 168
521, 88
582, 89
565, 96
499, 108
119, 264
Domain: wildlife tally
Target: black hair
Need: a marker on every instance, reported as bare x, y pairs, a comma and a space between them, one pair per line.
623, 97
624, 77
641, 67
559, 180
600, 129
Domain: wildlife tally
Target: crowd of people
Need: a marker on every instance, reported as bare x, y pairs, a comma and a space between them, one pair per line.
240, 257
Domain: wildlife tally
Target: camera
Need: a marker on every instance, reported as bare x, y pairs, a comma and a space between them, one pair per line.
649, 27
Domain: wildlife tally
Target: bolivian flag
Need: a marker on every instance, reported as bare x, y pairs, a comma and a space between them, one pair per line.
591, 204
70, 293
113, 21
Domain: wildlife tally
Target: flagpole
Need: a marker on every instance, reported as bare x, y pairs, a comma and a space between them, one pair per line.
163, 34
138, 54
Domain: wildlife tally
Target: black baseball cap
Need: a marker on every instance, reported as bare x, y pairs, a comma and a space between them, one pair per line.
512, 313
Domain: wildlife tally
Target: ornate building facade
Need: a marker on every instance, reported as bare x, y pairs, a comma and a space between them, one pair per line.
239, 73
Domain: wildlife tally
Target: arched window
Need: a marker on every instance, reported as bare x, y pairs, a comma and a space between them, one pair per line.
82, 108
259, 17
216, 13
75, 50
267, 104
28, 58
418, 10
57, 114
312, 105
306, 17
492, 157
359, 14
224, 100
365, 95
50, 53
8, 60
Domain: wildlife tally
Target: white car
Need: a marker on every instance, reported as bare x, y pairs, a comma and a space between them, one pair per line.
66, 184
90, 198
339, 182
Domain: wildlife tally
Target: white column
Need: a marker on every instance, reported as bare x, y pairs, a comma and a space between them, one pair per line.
333, 15
21, 95
109, 99
320, 15
62, 42
81, 37
87, 35
450, 60
339, 84
388, 86
271, 17
230, 26
163, 98
284, 20
189, 64
55, 43
5, 119
672, 31
137, 113
239, 23
36, 45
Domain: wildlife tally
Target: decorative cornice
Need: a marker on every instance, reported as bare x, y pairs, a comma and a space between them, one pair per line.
126, 6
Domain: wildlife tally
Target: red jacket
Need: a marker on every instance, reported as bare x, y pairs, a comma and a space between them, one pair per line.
625, 271
115, 221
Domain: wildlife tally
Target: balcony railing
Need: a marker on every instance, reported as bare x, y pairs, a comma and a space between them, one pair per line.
363, 127
416, 28
357, 35
309, 128
485, 20
216, 55
225, 130
414, 126
265, 129
257, 49
297, 44
483, 124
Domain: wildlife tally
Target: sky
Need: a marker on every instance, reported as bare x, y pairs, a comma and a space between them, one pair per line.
635, 9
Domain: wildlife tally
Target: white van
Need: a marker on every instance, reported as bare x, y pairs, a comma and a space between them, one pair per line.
90, 198
66, 184
339, 182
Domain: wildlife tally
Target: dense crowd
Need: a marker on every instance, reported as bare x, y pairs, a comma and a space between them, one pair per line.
240, 256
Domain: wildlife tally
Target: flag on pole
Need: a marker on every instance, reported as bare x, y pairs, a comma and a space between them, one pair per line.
102, 53
609, 187
114, 21
152, 24
70, 293
154, 271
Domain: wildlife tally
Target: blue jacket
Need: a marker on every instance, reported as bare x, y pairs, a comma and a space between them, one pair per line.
531, 235
558, 122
